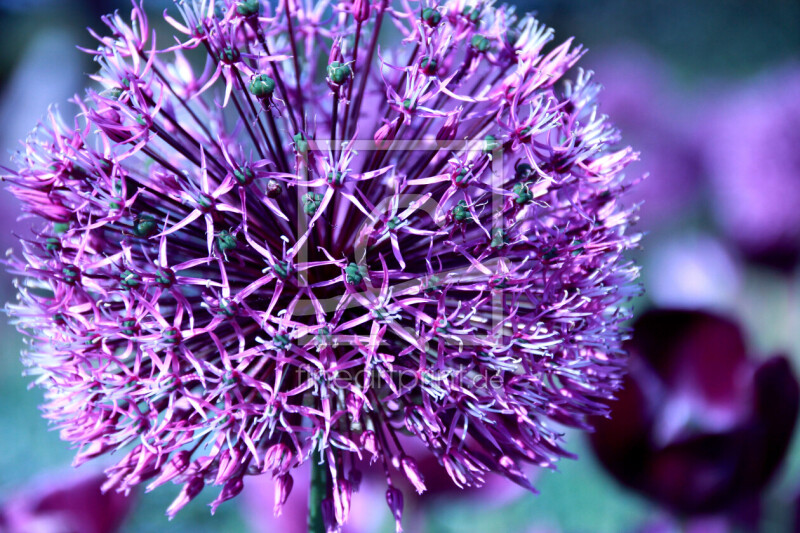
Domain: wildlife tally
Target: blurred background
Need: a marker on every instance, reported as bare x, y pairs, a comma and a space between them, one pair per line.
709, 92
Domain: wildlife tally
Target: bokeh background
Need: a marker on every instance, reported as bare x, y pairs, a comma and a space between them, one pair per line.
709, 92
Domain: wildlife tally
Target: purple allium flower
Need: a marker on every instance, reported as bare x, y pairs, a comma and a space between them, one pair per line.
751, 138
218, 283
699, 427
59, 504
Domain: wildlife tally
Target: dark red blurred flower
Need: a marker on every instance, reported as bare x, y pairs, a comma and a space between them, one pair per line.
699, 426
65, 505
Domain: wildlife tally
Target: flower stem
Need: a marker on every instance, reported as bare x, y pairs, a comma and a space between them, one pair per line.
319, 486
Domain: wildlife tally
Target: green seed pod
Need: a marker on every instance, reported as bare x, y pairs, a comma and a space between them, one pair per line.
462, 178
339, 73
144, 226
248, 8
432, 284
311, 202
498, 238
523, 193
165, 277
129, 327
335, 179
227, 308
480, 43
429, 65
244, 176
461, 212
262, 86
70, 273
60, 227
53, 244
226, 241
491, 144
354, 274
431, 17
282, 269
171, 336
300, 143
523, 171
230, 55
129, 279
282, 342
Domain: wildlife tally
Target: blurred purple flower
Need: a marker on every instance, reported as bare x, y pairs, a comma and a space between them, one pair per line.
211, 282
691, 271
752, 134
73, 504
699, 427
640, 92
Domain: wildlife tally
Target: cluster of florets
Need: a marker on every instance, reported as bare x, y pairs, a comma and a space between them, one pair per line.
243, 268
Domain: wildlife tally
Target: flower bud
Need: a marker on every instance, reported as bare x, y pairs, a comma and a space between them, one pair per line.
177, 465
190, 490
450, 128
229, 462
231, 489
370, 444
329, 516
361, 10
385, 134
283, 487
395, 500
278, 457
411, 471
355, 477
342, 494
97, 447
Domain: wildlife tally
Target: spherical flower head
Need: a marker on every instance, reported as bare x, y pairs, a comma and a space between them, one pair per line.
316, 249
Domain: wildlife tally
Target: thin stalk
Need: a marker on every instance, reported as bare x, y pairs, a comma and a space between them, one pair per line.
296, 62
319, 487
356, 108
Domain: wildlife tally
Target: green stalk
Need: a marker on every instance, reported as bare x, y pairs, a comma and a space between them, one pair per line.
319, 487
